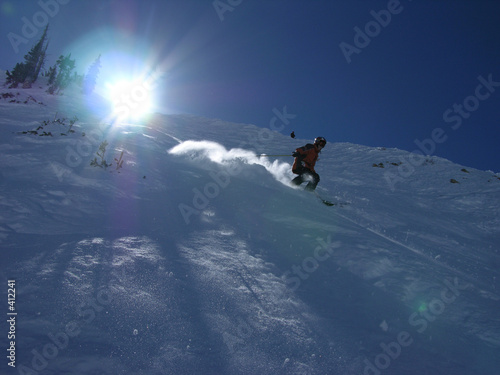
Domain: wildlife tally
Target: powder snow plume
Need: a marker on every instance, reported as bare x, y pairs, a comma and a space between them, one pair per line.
219, 154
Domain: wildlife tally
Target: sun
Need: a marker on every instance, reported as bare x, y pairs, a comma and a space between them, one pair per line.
130, 98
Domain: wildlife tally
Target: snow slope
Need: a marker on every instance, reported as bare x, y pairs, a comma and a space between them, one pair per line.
196, 257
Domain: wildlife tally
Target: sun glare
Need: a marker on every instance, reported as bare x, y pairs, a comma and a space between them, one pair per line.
130, 99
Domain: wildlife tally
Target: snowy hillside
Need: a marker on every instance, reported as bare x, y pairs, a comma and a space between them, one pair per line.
192, 255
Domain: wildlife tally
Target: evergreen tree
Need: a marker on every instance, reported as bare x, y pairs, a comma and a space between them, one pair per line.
91, 78
36, 57
52, 74
18, 75
64, 75
27, 72
77, 78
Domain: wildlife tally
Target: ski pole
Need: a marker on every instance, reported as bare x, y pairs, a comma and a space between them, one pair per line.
267, 155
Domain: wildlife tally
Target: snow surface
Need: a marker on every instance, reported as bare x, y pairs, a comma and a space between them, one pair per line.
197, 257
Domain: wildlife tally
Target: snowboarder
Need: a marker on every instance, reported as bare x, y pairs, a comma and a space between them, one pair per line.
305, 159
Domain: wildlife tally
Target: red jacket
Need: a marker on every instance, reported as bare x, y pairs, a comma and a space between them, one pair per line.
308, 156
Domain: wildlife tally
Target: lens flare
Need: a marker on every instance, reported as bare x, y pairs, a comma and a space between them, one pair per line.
130, 99
422, 307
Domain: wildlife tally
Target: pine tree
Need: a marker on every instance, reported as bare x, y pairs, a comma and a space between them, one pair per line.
36, 57
27, 72
64, 75
18, 75
91, 78
52, 74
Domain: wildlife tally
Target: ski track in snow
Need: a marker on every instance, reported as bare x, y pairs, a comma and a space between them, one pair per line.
428, 259
262, 278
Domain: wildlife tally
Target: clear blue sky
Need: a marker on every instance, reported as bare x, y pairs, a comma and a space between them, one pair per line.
418, 73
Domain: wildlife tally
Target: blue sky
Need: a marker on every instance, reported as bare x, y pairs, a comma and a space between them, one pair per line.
413, 81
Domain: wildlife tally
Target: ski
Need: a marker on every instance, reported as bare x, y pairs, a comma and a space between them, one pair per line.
329, 203
326, 203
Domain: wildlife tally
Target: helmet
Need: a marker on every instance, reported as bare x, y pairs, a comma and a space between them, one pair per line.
319, 140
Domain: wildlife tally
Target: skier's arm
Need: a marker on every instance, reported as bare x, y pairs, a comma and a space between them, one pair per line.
301, 151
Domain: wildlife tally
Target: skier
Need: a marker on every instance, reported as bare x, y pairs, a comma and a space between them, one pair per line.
305, 159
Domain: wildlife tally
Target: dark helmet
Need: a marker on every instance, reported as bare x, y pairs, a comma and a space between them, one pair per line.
319, 140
